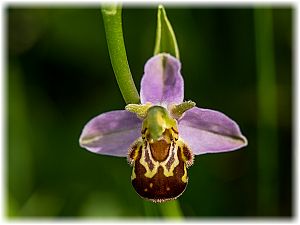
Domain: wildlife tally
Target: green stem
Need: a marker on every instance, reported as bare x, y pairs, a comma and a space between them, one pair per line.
112, 17
171, 209
151, 209
267, 114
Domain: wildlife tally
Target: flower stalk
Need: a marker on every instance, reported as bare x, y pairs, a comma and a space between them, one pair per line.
112, 17
171, 209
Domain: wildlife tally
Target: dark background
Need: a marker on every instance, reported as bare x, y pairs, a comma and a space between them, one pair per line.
59, 76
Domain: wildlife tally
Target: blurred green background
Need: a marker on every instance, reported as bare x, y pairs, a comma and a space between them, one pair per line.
59, 76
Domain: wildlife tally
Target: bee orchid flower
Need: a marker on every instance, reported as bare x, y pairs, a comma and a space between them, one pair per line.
161, 135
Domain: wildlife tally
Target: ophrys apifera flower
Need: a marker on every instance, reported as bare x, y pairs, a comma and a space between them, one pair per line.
161, 135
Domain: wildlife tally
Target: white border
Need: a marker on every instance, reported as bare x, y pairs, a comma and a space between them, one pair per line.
152, 2
296, 104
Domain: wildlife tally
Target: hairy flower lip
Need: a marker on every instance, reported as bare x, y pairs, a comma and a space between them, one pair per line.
204, 130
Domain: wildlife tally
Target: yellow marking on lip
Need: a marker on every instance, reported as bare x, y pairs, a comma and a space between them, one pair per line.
169, 173
133, 175
151, 185
145, 189
149, 173
184, 177
136, 152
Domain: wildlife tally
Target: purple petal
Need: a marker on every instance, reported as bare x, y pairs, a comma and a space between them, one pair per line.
162, 82
209, 131
111, 133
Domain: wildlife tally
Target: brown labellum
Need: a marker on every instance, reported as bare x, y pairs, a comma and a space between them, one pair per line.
160, 168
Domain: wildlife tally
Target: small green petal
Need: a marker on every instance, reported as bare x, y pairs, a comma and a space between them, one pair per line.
139, 110
178, 110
